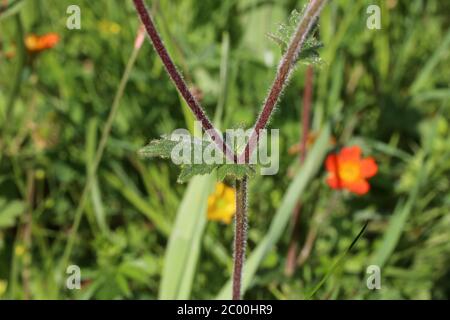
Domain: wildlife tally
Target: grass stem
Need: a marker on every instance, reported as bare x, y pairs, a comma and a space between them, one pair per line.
178, 80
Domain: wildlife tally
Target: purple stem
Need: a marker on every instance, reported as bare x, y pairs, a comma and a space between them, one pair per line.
177, 79
284, 70
240, 236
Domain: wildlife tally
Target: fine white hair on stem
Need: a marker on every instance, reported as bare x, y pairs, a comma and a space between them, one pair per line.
284, 72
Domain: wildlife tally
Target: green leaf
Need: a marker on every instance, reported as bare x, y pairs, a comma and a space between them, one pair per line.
130, 193
283, 35
96, 195
423, 78
10, 212
338, 262
140, 269
10, 9
163, 148
122, 283
397, 223
236, 171
190, 170
158, 148
399, 219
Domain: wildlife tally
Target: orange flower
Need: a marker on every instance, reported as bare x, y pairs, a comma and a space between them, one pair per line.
35, 43
347, 170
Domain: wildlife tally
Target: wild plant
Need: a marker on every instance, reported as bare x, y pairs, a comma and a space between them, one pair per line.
236, 162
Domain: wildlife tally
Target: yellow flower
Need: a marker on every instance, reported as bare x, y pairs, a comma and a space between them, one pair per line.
3, 286
20, 250
109, 27
221, 204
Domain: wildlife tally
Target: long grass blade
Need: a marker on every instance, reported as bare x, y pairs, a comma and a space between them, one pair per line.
338, 262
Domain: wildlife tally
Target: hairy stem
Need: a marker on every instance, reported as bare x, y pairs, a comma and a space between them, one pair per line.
284, 70
177, 79
240, 236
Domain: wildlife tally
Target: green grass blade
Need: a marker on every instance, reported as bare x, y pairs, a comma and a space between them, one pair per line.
425, 74
401, 214
396, 225
96, 198
338, 263
129, 192
10, 9
183, 248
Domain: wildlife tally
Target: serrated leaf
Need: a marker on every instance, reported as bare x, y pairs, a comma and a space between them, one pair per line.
158, 148
190, 170
285, 31
282, 37
163, 147
236, 171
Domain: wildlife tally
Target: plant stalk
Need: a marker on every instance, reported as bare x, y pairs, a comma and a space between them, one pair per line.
177, 79
240, 236
284, 70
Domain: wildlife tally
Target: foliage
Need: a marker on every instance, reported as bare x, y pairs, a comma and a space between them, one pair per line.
194, 165
385, 90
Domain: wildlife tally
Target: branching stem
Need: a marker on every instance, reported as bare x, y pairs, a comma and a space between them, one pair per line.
284, 70
177, 79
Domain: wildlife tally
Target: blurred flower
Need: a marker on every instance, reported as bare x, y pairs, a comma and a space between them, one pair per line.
40, 174
221, 204
8, 53
197, 93
19, 250
45, 132
35, 43
347, 170
106, 26
3, 285
391, 4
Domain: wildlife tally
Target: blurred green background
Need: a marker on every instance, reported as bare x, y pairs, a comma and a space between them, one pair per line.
142, 235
